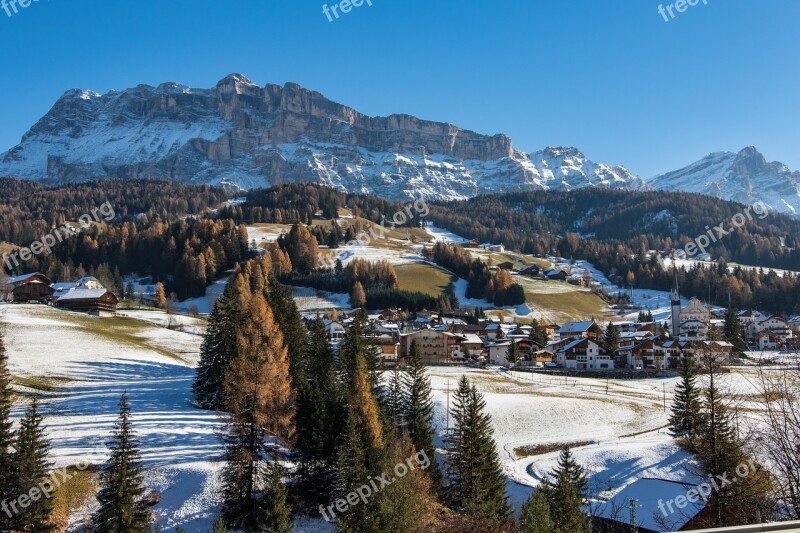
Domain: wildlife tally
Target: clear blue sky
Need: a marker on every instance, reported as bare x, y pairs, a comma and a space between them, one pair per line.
608, 76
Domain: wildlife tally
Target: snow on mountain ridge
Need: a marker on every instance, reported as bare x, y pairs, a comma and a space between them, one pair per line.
744, 177
252, 136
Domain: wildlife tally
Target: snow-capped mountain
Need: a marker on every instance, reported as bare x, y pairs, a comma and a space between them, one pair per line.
744, 177
251, 136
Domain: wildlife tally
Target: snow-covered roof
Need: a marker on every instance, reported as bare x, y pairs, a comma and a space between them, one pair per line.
575, 327
648, 493
82, 294
20, 279
472, 338
572, 344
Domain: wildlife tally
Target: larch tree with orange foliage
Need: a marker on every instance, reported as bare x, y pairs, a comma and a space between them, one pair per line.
260, 402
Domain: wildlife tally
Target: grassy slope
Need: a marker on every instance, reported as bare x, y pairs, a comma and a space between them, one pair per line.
422, 277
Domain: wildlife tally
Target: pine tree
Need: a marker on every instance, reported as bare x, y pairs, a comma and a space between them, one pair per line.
275, 513
7, 467
612, 336
512, 354
418, 410
260, 403
219, 526
360, 342
573, 472
393, 404
718, 450
538, 333
477, 485
733, 331
122, 507
31, 467
535, 515
320, 408
566, 505
220, 344
686, 418
295, 336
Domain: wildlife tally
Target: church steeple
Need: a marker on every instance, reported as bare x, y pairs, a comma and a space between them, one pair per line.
676, 306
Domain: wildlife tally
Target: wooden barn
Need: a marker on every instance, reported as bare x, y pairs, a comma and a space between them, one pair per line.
98, 302
29, 288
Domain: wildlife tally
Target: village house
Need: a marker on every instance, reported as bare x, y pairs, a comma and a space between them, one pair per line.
589, 329
29, 288
584, 354
436, 347
772, 325
98, 302
334, 329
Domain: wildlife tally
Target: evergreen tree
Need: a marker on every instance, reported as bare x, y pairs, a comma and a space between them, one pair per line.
686, 418
275, 514
7, 468
418, 410
295, 336
360, 342
573, 472
512, 354
31, 467
122, 507
320, 408
477, 485
220, 344
733, 331
393, 404
260, 403
566, 505
538, 333
535, 515
612, 336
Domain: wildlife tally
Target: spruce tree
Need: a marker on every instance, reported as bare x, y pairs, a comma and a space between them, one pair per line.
686, 418
319, 418
512, 354
220, 344
275, 513
418, 410
393, 404
295, 336
219, 526
573, 471
122, 507
612, 336
31, 467
477, 483
566, 505
535, 514
733, 331
7, 468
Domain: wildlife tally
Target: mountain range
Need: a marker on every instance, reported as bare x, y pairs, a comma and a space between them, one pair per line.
240, 134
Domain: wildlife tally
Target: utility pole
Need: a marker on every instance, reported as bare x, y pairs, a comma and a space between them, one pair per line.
447, 430
664, 387
634, 526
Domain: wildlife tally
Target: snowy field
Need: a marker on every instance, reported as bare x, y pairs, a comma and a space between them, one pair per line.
83, 364
309, 299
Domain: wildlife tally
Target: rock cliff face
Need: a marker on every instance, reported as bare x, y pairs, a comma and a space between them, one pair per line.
242, 134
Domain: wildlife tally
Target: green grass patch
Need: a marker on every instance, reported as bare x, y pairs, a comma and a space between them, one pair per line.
541, 449
424, 278
575, 305
40, 383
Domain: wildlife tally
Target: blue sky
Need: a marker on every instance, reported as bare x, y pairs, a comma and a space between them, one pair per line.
610, 77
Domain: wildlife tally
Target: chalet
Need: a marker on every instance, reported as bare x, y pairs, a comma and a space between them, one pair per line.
507, 265
556, 274
693, 330
98, 302
471, 346
437, 347
589, 329
497, 248
531, 271
584, 354
578, 281
86, 282
34, 287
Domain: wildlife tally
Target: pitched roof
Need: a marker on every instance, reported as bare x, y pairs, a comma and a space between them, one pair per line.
82, 294
575, 327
